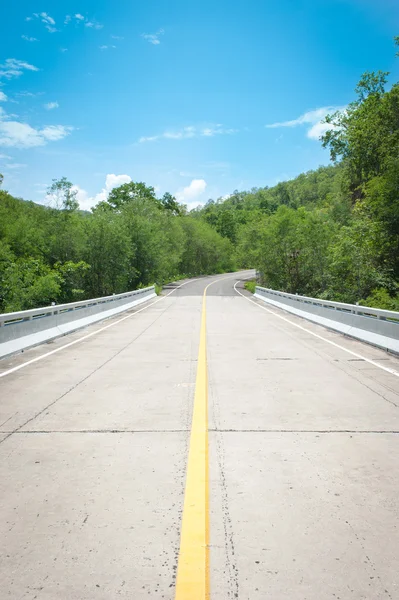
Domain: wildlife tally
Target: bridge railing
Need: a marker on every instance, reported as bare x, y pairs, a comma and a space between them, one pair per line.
373, 325
21, 329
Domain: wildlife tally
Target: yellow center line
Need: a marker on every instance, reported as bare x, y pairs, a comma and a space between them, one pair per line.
193, 567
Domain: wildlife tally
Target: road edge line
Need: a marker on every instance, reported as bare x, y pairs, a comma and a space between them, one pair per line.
320, 337
89, 335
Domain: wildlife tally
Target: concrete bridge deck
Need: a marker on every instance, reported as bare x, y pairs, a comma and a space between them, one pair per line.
303, 429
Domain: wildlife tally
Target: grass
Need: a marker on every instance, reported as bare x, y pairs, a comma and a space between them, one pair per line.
250, 286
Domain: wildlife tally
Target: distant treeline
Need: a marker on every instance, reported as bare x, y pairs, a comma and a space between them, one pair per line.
331, 233
133, 239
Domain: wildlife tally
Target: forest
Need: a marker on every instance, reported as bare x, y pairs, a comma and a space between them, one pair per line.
332, 233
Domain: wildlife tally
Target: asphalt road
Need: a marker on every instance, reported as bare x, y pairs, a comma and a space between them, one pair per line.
303, 457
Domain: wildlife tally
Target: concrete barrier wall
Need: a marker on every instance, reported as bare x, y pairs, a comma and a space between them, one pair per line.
20, 330
372, 325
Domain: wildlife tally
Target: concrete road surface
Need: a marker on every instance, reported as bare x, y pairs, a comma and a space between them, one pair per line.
303, 455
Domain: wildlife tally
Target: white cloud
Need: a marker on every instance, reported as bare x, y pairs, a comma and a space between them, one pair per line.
53, 133
2, 156
93, 25
47, 19
29, 39
153, 38
117, 37
313, 118
85, 203
79, 18
318, 129
190, 193
3, 97
64, 49
48, 22
190, 132
21, 135
106, 47
51, 105
13, 67
112, 181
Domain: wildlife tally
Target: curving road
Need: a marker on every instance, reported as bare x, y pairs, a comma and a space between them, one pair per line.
303, 496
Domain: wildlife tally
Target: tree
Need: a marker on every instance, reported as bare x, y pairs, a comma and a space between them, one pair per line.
131, 192
366, 134
28, 283
62, 195
170, 203
110, 254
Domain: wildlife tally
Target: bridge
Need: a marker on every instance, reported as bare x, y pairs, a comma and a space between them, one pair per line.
204, 443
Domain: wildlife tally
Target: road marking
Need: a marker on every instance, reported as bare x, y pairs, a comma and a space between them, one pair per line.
89, 335
193, 567
320, 337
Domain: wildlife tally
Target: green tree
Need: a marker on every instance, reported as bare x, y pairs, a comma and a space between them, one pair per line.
131, 192
170, 203
62, 195
109, 252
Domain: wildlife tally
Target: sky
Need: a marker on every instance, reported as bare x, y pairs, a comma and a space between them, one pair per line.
197, 97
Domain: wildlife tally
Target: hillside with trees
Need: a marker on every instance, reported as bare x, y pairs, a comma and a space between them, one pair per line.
331, 233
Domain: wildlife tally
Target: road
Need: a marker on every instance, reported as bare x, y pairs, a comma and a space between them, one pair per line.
303, 498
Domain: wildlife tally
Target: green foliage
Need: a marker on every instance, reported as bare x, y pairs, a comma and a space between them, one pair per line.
129, 193
380, 298
73, 279
60, 254
366, 134
291, 249
62, 195
108, 251
250, 286
170, 203
205, 251
28, 283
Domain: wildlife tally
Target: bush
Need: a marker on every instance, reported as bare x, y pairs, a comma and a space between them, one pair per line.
250, 286
380, 298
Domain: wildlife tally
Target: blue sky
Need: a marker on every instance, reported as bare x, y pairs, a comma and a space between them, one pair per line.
178, 94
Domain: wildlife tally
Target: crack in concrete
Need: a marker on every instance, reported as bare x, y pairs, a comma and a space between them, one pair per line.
212, 430
44, 431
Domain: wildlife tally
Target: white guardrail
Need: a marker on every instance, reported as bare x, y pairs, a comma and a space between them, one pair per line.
372, 325
20, 330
